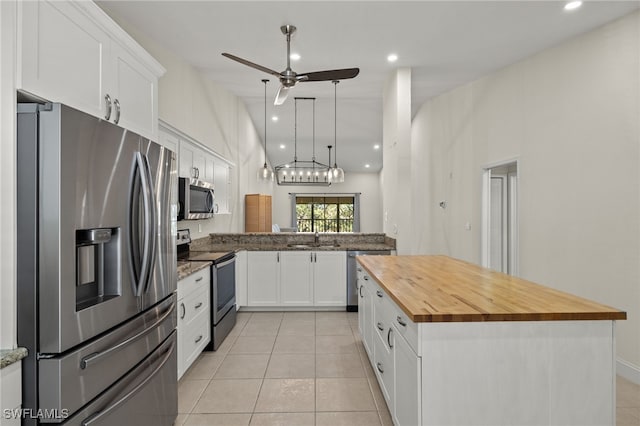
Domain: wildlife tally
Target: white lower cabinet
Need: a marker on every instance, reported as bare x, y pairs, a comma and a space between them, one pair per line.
194, 318
396, 364
296, 279
241, 279
263, 278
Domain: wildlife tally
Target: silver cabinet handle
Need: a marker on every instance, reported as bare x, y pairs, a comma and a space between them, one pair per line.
278, 256
310, 257
184, 311
198, 306
107, 101
380, 327
379, 293
366, 278
117, 105
401, 321
379, 365
198, 339
199, 279
360, 291
197, 172
193, 172
389, 337
217, 208
315, 257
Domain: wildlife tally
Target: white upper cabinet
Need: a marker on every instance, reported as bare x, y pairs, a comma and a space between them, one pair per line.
222, 184
72, 52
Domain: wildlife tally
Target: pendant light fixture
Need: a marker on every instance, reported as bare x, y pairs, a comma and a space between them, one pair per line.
265, 174
299, 172
337, 174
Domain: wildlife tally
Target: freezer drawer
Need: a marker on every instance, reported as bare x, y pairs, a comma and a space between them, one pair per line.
71, 381
146, 396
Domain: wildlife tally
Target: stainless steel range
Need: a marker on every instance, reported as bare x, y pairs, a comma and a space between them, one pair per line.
96, 271
223, 287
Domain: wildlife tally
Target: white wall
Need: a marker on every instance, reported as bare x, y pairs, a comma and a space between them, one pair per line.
215, 117
571, 115
396, 151
8, 332
368, 184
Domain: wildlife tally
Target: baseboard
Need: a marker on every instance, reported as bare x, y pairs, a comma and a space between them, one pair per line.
628, 371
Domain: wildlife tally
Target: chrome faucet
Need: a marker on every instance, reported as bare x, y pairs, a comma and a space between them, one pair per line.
316, 239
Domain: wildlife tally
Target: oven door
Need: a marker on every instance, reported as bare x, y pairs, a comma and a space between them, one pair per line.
223, 288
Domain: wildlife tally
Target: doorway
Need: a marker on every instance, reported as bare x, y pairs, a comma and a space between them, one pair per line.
500, 217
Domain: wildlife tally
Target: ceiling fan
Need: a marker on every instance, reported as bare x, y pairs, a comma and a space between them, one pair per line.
288, 78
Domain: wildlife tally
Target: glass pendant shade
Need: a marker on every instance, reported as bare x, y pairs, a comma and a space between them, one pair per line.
265, 174
337, 174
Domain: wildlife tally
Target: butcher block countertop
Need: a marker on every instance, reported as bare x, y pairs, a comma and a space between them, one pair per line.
443, 289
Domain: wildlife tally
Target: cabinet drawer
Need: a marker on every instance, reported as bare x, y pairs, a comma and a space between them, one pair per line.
383, 367
407, 328
192, 340
194, 281
194, 305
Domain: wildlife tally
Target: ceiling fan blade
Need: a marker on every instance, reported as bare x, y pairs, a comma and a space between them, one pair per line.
329, 75
283, 92
251, 64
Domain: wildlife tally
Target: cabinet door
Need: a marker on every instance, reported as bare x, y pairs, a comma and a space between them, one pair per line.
134, 90
221, 182
263, 287
64, 55
408, 379
199, 163
365, 306
296, 287
185, 168
330, 278
169, 141
209, 169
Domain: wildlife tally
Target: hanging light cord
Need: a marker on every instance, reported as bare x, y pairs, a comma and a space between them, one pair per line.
295, 131
265, 81
314, 134
335, 122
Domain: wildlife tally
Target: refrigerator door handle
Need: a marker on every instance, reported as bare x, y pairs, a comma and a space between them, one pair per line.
152, 230
148, 223
96, 416
89, 359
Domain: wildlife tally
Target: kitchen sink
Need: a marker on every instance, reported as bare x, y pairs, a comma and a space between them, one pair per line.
313, 245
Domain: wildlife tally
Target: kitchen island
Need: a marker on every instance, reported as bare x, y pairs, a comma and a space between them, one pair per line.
453, 343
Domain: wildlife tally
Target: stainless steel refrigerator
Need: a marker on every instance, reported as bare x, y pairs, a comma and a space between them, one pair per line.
96, 271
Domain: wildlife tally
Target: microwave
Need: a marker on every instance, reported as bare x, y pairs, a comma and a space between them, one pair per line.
195, 199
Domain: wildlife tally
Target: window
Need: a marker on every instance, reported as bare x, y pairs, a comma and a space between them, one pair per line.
325, 213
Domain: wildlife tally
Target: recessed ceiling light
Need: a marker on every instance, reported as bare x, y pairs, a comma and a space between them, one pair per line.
572, 5
367, 166
376, 146
282, 146
274, 118
295, 56
392, 58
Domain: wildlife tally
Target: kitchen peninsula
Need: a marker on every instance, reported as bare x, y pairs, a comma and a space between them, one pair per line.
453, 343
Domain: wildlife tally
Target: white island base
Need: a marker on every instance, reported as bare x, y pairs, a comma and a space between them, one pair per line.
518, 373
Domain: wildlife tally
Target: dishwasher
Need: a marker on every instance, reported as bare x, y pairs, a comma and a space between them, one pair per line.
352, 275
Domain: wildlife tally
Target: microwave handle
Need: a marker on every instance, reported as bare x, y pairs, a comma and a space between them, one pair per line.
210, 201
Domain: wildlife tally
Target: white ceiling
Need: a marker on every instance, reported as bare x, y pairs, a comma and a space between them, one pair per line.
446, 43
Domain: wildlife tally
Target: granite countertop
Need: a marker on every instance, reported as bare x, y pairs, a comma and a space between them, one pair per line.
11, 356
292, 247
186, 268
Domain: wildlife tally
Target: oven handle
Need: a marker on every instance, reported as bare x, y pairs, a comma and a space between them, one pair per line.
225, 263
96, 416
84, 363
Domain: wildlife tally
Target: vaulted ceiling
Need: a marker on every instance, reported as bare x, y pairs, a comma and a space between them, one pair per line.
446, 44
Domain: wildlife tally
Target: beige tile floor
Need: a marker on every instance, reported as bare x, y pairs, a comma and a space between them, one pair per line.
291, 368
299, 369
